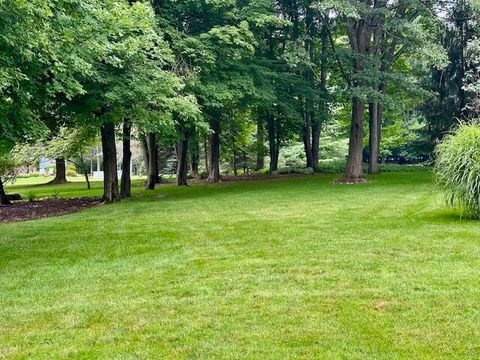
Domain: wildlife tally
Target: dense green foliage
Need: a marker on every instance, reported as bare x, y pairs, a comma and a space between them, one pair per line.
458, 168
231, 86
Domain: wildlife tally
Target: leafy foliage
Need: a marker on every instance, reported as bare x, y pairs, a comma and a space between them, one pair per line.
457, 168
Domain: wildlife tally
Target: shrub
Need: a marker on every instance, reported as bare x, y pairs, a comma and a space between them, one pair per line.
71, 173
31, 196
457, 168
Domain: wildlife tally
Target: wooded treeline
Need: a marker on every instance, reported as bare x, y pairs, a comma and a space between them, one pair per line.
210, 76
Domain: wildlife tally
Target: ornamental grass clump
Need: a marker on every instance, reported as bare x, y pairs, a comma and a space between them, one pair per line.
457, 168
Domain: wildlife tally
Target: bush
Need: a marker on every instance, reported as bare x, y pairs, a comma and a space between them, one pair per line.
294, 170
31, 196
457, 168
71, 173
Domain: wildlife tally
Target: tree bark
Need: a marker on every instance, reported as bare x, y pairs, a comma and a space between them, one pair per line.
182, 156
110, 182
214, 140
309, 110
87, 179
355, 152
126, 182
60, 172
323, 103
84, 168
315, 145
373, 143
3, 197
260, 144
234, 156
307, 137
153, 177
272, 142
194, 150
206, 153
359, 34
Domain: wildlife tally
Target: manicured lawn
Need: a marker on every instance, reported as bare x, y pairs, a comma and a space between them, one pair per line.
282, 269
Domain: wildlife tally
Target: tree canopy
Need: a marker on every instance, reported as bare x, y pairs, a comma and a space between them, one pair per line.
235, 81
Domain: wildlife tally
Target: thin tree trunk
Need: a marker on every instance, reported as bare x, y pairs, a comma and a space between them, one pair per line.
87, 179
234, 157
380, 120
60, 172
260, 144
3, 197
110, 182
206, 154
379, 126
323, 103
273, 143
126, 182
309, 111
355, 152
182, 165
307, 137
214, 172
194, 150
315, 145
373, 143
84, 168
153, 177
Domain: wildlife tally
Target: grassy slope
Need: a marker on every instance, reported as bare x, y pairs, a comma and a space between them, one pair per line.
292, 268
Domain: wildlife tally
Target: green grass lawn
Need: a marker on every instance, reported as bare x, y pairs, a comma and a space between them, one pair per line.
286, 269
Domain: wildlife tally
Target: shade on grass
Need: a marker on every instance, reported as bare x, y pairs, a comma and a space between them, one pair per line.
291, 268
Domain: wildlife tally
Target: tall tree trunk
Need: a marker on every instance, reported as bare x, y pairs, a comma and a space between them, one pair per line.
60, 172
234, 157
194, 150
206, 154
126, 182
323, 103
373, 143
380, 120
182, 157
3, 197
153, 177
359, 34
379, 126
110, 182
307, 138
309, 110
315, 145
272, 142
214, 139
355, 151
260, 144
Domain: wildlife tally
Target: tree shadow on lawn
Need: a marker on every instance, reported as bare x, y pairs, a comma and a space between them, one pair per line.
198, 191
447, 215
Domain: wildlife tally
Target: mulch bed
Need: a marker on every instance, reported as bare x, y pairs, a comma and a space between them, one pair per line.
22, 211
256, 177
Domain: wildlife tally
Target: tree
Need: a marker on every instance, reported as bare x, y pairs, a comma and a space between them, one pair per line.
7, 166
126, 73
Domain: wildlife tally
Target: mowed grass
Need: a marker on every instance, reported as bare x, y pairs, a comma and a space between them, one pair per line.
294, 268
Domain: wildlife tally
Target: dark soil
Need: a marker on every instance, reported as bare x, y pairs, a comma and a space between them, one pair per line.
22, 211
350, 181
255, 177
